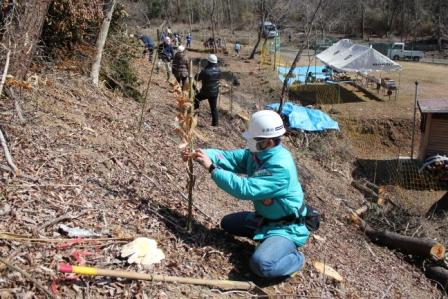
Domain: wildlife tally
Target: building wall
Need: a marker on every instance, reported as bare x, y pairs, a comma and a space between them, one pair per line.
438, 135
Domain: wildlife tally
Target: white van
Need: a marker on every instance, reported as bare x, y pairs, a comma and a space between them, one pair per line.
269, 30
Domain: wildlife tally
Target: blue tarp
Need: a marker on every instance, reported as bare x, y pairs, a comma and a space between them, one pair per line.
306, 119
300, 72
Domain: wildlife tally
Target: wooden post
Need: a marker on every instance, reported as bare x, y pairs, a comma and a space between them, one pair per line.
191, 178
413, 122
275, 53
145, 97
231, 96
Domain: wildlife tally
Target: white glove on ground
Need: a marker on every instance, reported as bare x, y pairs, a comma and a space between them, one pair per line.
142, 251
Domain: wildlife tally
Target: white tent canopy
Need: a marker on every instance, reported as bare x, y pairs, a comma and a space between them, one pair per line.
344, 56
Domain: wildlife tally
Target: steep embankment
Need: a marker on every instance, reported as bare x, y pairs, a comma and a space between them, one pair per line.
85, 159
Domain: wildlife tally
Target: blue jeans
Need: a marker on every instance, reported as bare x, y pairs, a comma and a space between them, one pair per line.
275, 256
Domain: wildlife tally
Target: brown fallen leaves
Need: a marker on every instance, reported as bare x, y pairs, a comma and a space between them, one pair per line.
186, 121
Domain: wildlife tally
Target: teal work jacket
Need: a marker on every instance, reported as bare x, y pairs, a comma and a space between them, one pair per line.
267, 178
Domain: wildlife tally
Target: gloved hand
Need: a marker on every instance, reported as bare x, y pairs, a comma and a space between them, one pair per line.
142, 251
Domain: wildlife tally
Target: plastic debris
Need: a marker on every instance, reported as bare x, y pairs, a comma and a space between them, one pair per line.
77, 232
142, 251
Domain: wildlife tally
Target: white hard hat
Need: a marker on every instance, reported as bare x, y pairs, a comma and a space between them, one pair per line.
265, 124
212, 58
181, 48
167, 39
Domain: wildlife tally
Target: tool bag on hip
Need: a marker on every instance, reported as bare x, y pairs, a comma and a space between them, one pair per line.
312, 218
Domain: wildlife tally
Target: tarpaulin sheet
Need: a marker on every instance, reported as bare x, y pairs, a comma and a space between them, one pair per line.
300, 73
306, 119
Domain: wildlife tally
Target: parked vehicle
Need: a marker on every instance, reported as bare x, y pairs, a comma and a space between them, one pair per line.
397, 51
269, 30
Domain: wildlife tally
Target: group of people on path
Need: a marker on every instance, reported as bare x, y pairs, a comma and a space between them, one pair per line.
263, 172
177, 63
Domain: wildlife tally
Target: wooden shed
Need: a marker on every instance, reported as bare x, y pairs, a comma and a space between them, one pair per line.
434, 127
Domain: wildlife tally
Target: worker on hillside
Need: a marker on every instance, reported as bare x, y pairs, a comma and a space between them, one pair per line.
189, 40
266, 174
149, 45
237, 48
181, 66
166, 53
209, 76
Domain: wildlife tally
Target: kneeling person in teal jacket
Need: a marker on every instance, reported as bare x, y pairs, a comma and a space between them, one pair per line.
272, 184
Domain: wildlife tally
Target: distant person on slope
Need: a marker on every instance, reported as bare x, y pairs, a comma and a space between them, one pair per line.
181, 66
189, 40
166, 54
237, 48
264, 173
209, 76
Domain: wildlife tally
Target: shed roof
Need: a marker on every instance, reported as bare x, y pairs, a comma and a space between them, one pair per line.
433, 105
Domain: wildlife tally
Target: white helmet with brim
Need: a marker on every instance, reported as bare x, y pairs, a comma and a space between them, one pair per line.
265, 124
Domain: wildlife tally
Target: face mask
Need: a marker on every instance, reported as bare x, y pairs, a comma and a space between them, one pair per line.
251, 144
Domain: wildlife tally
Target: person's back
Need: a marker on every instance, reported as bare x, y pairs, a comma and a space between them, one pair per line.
237, 48
180, 64
210, 79
165, 51
147, 40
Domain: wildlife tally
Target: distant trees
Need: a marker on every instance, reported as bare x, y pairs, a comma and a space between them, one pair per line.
405, 19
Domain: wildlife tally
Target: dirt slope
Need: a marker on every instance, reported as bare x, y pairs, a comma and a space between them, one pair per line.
86, 154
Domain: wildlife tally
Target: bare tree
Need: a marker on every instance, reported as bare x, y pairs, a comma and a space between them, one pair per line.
262, 11
297, 58
23, 30
229, 11
101, 41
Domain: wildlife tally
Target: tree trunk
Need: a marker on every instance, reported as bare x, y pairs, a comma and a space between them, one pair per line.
439, 26
297, 58
229, 8
23, 32
101, 41
438, 274
363, 11
260, 32
402, 21
212, 19
423, 247
190, 15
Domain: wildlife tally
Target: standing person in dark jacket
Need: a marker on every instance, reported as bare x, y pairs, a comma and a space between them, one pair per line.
180, 66
209, 76
166, 53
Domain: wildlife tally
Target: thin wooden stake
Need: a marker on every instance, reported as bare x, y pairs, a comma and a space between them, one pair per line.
191, 177
222, 284
145, 97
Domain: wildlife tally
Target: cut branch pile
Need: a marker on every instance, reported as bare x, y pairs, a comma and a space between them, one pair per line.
426, 248
372, 192
423, 247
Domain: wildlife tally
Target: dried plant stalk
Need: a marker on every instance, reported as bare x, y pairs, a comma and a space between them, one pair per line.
186, 125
